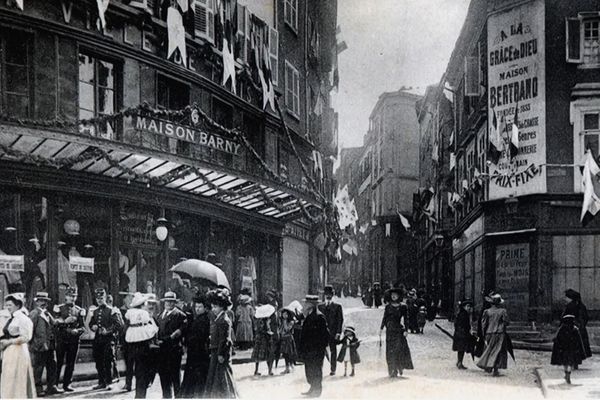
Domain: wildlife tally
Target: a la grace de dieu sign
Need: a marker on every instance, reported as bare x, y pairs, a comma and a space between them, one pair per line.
516, 78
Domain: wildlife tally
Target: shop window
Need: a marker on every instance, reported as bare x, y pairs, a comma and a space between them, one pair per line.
15, 68
291, 14
97, 94
222, 114
583, 40
591, 132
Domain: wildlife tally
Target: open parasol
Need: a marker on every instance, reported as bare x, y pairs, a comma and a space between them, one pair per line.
198, 269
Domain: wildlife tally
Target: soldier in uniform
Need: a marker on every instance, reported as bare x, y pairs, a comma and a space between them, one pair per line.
105, 323
171, 325
70, 327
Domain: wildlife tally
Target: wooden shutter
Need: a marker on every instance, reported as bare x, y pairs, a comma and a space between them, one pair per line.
274, 54
242, 33
573, 40
288, 82
204, 20
471, 76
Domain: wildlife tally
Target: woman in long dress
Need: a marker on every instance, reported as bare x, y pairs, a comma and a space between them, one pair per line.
576, 308
198, 359
494, 322
17, 373
220, 383
397, 352
462, 341
244, 316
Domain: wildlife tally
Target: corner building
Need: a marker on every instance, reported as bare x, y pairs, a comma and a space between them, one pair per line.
105, 133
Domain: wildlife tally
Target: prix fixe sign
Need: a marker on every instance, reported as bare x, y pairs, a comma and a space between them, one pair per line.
186, 134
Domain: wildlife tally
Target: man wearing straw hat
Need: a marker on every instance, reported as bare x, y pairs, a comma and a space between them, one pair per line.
313, 342
171, 324
70, 327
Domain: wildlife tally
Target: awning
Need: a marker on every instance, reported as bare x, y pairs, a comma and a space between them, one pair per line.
134, 164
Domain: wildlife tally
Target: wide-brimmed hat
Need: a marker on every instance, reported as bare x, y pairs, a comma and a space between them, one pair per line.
311, 298
396, 290
350, 329
138, 300
497, 299
219, 297
169, 296
328, 290
42, 296
17, 298
245, 299
572, 294
264, 311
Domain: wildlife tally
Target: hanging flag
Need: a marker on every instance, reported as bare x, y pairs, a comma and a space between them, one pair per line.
591, 202
228, 48
317, 164
452, 161
176, 34
494, 152
346, 209
430, 209
388, 230
403, 220
184, 5
451, 144
434, 152
102, 7
19, 4
465, 184
450, 200
514, 137
266, 79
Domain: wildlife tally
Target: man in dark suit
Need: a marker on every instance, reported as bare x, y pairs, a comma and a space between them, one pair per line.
105, 323
42, 345
70, 327
171, 325
313, 341
335, 321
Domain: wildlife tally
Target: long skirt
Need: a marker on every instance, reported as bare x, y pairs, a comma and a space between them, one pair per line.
495, 354
194, 379
219, 382
586, 341
17, 373
397, 353
243, 331
288, 347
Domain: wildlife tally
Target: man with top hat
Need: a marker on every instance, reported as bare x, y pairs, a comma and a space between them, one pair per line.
105, 323
314, 339
42, 345
171, 325
70, 327
334, 316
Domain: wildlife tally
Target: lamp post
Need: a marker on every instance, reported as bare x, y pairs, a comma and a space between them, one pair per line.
161, 229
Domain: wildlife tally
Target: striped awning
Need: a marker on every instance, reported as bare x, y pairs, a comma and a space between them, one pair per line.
134, 164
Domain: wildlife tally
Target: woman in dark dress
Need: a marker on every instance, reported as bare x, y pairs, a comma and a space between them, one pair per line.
463, 340
219, 382
579, 311
198, 360
397, 352
568, 348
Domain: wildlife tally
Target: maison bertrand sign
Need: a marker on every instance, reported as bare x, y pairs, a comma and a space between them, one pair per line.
184, 133
516, 79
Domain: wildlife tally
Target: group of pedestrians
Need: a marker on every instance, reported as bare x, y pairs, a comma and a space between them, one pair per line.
491, 343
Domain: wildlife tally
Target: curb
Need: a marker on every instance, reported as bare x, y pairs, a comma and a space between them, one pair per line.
541, 375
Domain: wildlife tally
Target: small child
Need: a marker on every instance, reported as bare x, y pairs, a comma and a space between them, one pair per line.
421, 318
287, 343
349, 350
263, 342
568, 349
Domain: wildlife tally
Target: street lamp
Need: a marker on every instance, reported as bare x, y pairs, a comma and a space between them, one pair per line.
161, 229
439, 240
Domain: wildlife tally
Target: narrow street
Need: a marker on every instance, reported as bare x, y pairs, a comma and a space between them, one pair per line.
434, 376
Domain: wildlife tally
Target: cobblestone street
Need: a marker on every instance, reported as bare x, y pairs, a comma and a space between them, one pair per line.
434, 376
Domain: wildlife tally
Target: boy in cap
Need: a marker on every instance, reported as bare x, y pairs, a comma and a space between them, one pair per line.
104, 323
70, 327
42, 345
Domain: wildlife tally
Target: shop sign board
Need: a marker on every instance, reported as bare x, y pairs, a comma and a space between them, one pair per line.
81, 264
512, 277
516, 79
184, 133
12, 263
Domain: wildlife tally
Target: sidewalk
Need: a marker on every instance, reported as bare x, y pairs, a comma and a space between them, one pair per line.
584, 381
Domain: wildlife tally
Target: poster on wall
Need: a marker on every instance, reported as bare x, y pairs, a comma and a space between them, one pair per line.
12, 263
512, 277
81, 264
516, 90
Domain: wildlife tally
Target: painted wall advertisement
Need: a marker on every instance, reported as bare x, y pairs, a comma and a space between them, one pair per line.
512, 277
516, 80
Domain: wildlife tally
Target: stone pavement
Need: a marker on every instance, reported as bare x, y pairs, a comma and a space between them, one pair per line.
434, 377
585, 382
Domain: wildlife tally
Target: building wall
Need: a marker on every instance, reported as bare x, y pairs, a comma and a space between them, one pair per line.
295, 269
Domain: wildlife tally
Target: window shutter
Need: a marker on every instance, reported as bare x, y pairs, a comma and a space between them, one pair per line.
211, 20
201, 18
297, 93
471, 76
274, 54
573, 40
242, 29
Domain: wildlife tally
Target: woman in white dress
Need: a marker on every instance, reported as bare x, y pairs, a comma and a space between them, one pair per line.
17, 373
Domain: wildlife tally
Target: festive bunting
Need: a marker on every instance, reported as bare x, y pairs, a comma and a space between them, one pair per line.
591, 202
452, 161
494, 152
388, 230
19, 4
403, 220
176, 34
102, 7
514, 138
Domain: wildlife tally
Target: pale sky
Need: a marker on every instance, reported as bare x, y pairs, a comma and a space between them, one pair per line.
391, 43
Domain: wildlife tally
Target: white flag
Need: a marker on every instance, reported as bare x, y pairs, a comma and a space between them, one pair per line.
452, 161
176, 34
388, 230
404, 221
591, 202
102, 7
